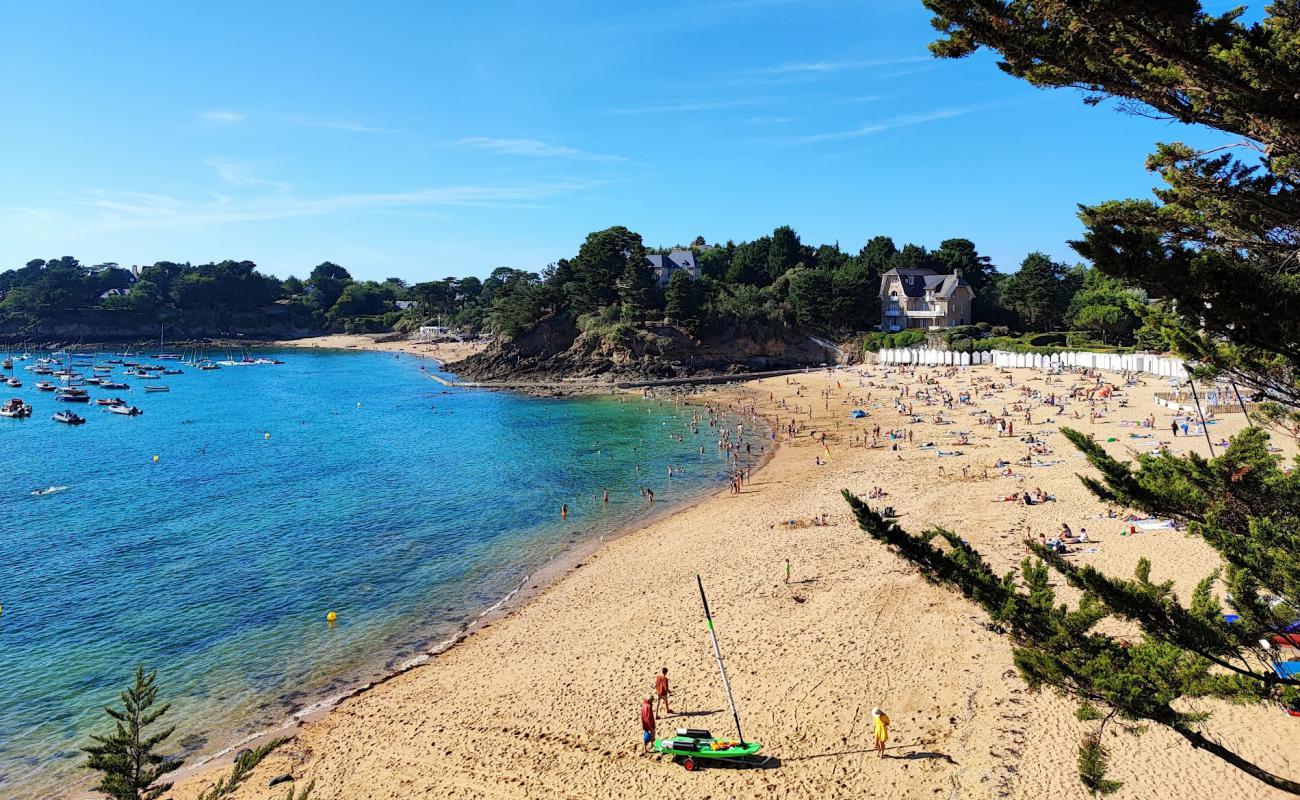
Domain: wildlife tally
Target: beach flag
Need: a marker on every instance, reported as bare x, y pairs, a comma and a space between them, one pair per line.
828, 452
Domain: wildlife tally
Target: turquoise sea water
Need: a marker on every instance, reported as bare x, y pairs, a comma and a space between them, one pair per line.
404, 507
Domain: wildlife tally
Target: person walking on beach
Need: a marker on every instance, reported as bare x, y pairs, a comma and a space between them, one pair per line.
787, 570
647, 723
882, 730
662, 691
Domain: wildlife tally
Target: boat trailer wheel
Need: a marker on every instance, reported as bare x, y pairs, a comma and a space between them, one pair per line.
689, 764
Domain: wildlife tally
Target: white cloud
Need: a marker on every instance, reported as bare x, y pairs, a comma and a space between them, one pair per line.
678, 108
99, 211
806, 67
333, 125
530, 147
902, 121
240, 173
227, 117
222, 117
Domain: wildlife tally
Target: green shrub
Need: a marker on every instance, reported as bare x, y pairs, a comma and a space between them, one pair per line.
1045, 339
983, 327
1000, 330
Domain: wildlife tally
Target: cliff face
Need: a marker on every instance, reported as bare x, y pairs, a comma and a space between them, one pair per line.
556, 350
104, 325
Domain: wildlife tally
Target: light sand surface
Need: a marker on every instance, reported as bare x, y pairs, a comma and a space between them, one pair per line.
543, 704
444, 352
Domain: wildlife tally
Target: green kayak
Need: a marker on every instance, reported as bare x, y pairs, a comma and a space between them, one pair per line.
686, 746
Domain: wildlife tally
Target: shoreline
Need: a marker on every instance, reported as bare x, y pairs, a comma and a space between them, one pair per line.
533, 585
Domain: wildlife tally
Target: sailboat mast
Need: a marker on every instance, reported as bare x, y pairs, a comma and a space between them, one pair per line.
718, 652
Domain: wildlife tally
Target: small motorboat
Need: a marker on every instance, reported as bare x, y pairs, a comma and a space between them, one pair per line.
208, 366
115, 361
110, 401
49, 490
125, 410
113, 385
103, 369
157, 388
45, 386
173, 372
42, 371
72, 394
68, 418
94, 381
15, 409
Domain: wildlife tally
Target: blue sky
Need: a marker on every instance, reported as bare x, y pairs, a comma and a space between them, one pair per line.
430, 139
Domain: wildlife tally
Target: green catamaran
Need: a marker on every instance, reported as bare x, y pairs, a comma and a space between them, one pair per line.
692, 747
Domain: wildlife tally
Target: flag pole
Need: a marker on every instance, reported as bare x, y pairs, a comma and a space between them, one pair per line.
718, 652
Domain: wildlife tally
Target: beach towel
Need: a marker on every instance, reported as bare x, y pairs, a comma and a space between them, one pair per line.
1287, 669
1155, 524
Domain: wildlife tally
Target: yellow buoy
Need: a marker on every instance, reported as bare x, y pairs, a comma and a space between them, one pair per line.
155, 459
266, 436
330, 617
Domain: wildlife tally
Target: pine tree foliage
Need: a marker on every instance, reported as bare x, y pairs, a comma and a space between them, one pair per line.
1184, 652
244, 764
127, 758
1222, 239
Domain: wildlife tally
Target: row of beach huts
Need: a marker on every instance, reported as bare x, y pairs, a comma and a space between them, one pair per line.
1163, 366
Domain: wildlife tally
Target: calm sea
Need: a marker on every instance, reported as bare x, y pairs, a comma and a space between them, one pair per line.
346, 482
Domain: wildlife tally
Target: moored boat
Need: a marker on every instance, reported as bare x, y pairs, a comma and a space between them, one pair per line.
15, 409
45, 386
71, 394
125, 410
113, 385
110, 401
68, 418
14, 382
157, 388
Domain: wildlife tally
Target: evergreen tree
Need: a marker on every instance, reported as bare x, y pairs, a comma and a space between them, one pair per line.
126, 757
783, 252
855, 297
636, 289
681, 300
960, 254
1222, 244
749, 263
1223, 238
602, 263
1039, 291
810, 296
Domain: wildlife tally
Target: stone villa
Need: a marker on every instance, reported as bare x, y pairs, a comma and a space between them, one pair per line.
922, 298
677, 260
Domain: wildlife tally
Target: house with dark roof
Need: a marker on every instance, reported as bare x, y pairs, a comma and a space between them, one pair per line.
922, 298
665, 266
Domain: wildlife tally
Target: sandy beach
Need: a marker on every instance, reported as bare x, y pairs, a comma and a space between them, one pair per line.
543, 703
443, 352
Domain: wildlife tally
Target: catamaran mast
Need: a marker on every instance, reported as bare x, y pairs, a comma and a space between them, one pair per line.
718, 652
